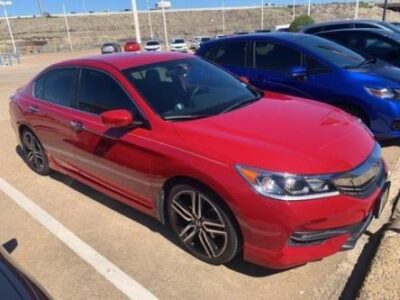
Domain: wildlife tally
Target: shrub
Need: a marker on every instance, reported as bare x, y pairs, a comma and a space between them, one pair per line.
299, 22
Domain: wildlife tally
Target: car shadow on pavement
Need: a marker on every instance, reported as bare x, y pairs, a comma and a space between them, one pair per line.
237, 264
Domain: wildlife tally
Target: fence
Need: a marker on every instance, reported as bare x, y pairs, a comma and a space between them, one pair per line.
8, 58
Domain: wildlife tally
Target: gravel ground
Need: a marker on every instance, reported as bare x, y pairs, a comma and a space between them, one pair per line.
383, 280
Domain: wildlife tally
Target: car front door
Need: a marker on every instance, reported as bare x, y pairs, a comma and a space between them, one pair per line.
115, 158
271, 65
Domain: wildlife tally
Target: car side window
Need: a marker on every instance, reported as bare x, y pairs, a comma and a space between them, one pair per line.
98, 92
233, 54
314, 67
273, 57
56, 86
364, 25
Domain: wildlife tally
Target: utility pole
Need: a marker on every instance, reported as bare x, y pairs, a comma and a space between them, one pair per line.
84, 5
165, 26
262, 14
384, 10
309, 8
356, 10
149, 15
67, 28
4, 4
136, 21
294, 10
39, 3
223, 16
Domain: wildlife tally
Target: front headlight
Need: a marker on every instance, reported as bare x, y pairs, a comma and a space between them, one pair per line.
287, 187
384, 93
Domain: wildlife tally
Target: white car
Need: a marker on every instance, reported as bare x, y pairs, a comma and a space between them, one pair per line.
152, 45
198, 40
178, 45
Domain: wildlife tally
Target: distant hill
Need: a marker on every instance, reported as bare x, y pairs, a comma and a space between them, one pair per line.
34, 35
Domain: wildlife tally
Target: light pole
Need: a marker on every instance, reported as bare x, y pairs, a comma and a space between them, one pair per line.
39, 3
294, 10
67, 28
84, 5
4, 4
356, 10
165, 25
136, 21
223, 16
149, 14
262, 14
309, 8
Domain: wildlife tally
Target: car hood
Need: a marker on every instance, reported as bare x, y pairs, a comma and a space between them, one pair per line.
380, 73
283, 134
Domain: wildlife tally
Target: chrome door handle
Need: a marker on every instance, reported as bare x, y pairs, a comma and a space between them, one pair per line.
76, 125
33, 109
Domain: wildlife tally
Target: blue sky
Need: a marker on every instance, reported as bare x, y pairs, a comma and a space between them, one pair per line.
29, 7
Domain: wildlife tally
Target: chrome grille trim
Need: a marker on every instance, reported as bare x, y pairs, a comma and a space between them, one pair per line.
363, 180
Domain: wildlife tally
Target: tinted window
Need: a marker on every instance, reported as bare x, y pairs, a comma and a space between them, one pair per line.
331, 52
337, 26
99, 93
178, 41
274, 57
364, 25
153, 43
56, 86
314, 67
188, 88
230, 54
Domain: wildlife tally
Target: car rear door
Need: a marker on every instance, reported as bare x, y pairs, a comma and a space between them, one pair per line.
50, 113
271, 64
115, 158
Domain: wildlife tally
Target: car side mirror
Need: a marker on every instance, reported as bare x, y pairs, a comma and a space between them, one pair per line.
117, 118
298, 72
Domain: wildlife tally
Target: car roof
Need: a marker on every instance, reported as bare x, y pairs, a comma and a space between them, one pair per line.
126, 60
319, 24
382, 32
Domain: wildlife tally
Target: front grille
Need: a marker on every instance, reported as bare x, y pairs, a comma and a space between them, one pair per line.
362, 181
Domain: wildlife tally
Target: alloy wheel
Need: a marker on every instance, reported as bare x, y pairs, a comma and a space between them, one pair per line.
34, 152
199, 224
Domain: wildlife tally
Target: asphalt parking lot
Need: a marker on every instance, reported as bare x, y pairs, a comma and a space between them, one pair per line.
137, 245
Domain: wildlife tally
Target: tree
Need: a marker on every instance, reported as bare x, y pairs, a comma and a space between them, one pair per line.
299, 22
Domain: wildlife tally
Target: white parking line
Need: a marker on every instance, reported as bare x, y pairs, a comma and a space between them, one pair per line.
112, 273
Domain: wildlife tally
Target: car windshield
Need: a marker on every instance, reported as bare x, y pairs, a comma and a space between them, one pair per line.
205, 39
189, 88
153, 43
332, 52
178, 41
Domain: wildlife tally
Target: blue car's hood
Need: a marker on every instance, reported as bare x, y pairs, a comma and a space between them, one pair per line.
380, 74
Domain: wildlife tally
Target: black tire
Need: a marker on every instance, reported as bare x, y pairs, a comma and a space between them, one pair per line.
34, 153
207, 233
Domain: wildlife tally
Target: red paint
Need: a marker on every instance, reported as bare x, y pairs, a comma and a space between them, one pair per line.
117, 118
278, 133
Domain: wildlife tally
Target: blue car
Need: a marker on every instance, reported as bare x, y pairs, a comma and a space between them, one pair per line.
315, 68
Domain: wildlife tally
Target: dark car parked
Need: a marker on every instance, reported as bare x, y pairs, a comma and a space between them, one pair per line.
376, 43
15, 284
108, 48
343, 24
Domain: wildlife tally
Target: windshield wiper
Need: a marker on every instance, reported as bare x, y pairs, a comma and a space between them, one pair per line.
367, 61
241, 103
184, 117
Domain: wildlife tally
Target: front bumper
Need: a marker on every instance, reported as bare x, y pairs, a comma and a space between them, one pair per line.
328, 226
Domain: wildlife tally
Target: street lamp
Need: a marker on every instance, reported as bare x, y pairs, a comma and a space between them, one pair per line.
309, 8
136, 21
165, 25
262, 14
149, 15
356, 10
223, 16
4, 4
294, 10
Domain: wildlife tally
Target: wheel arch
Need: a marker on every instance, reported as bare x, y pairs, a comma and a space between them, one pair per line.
161, 206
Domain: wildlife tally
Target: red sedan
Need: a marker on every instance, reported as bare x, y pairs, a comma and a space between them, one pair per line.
132, 46
231, 169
